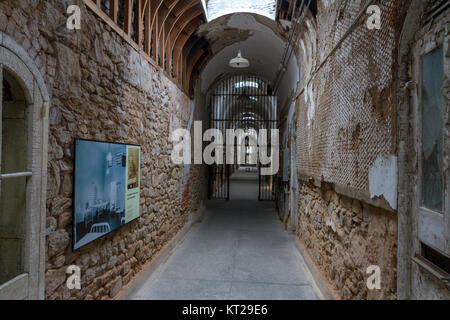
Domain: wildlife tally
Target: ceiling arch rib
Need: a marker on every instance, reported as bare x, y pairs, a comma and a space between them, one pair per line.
189, 19
175, 22
146, 23
164, 13
158, 29
187, 32
196, 70
171, 23
172, 29
191, 47
198, 54
155, 6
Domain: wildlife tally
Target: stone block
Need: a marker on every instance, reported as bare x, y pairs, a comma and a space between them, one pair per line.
58, 242
115, 287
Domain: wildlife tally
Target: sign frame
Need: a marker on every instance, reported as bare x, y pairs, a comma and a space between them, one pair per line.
104, 211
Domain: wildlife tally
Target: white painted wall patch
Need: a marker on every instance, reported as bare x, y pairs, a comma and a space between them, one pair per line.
383, 179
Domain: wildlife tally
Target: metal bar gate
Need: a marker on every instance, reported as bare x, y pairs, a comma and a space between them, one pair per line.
241, 102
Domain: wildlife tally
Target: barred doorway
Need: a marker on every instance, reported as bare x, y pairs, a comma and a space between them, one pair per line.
244, 105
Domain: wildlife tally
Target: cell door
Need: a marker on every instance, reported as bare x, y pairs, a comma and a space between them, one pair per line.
431, 106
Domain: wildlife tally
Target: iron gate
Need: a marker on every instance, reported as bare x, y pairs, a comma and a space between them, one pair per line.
241, 102
266, 187
219, 182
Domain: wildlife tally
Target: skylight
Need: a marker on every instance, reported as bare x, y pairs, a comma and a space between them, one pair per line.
244, 84
218, 8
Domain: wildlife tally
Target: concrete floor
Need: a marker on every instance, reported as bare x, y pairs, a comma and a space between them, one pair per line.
239, 251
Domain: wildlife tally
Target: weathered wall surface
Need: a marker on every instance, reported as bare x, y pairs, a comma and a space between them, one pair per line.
342, 127
343, 237
346, 141
102, 89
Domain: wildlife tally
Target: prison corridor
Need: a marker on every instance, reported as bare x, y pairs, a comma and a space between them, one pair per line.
238, 251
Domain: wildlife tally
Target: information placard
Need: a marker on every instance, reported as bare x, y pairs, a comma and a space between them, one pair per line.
106, 188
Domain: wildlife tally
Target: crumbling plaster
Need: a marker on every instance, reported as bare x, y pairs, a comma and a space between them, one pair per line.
342, 238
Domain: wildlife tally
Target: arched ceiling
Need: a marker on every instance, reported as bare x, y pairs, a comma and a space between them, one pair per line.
261, 37
175, 35
170, 27
261, 40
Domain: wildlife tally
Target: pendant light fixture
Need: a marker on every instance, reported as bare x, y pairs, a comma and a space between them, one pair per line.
239, 62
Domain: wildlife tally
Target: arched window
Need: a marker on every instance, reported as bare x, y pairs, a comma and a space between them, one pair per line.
23, 165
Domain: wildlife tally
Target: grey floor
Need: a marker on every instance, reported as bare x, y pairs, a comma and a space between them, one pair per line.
239, 251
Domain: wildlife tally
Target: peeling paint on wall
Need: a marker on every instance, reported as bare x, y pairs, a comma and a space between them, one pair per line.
351, 124
383, 179
309, 97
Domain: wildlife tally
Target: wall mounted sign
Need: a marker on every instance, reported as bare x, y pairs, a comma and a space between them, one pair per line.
106, 188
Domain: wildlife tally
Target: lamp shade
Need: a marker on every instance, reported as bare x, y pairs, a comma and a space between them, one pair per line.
239, 61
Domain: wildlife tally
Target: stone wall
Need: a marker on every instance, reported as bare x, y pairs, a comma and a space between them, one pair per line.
343, 237
343, 131
344, 128
102, 89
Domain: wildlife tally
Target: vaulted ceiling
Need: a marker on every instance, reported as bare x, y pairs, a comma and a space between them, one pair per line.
169, 36
260, 29
176, 37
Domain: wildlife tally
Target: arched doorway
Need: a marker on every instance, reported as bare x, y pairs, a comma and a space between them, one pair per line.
24, 105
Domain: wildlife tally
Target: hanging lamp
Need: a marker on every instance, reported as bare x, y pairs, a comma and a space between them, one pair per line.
239, 62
